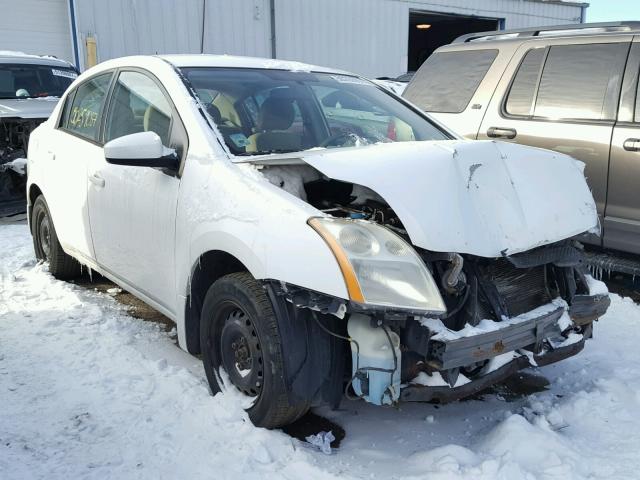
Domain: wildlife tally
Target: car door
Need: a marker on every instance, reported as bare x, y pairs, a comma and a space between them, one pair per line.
622, 214
133, 209
563, 95
74, 143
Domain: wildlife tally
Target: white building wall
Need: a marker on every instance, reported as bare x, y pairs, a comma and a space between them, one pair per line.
238, 27
131, 27
362, 36
369, 37
38, 27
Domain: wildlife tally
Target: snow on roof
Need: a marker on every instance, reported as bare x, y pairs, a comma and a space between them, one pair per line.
21, 56
206, 60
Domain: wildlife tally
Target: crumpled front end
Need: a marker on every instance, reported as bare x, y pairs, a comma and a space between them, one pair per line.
14, 142
529, 309
498, 284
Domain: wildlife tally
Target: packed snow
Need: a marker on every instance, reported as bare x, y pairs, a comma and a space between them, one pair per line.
18, 165
88, 391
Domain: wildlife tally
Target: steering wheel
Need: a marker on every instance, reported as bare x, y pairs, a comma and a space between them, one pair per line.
342, 139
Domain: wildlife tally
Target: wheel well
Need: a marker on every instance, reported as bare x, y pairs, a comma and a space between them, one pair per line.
210, 267
34, 192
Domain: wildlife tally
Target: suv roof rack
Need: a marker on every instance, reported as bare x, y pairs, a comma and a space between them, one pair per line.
555, 30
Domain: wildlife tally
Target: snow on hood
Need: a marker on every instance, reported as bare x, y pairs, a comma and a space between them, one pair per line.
28, 107
478, 197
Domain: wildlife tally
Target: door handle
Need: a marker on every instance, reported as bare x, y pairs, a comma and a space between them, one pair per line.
97, 180
497, 132
631, 144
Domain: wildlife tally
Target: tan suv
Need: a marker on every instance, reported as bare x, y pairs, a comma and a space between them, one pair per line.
571, 88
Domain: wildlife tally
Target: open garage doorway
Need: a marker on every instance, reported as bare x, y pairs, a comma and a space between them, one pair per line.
430, 30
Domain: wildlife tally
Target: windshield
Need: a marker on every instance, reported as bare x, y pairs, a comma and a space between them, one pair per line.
31, 81
275, 111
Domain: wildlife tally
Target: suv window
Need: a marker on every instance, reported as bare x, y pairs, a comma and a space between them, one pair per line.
84, 112
578, 82
523, 89
447, 81
138, 105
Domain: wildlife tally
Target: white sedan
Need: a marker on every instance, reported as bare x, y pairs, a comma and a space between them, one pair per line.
309, 232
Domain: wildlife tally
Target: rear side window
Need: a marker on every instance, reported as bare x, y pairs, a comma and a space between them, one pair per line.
578, 82
86, 106
523, 89
447, 81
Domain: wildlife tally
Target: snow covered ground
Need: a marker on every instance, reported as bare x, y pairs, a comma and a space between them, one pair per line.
87, 391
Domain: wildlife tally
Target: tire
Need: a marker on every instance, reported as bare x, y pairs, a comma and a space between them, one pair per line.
239, 332
47, 246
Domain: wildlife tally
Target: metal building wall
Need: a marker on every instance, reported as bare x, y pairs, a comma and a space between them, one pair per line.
362, 36
238, 27
370, 37
131, 27
39, 27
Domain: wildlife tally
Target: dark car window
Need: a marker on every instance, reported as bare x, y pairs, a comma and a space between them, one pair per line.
138, 105
447, 81
83, 116
31, 81
581, 81
523, 89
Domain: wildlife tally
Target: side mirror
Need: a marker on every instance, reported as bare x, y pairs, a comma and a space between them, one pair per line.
142, 149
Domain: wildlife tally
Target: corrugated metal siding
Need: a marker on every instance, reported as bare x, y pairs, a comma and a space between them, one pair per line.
238, 27
366, 36
356, 35
130, 27
517, 13
370, 37
39, 27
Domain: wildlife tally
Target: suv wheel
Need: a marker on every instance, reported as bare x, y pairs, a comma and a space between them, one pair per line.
47, 246
239, 333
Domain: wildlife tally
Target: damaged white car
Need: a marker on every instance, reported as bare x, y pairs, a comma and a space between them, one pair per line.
311, 234
30, 87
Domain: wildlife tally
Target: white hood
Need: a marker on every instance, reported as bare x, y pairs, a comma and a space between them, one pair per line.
28, 107
479, 197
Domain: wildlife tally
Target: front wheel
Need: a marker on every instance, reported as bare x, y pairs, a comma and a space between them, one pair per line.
239, 334
47, 246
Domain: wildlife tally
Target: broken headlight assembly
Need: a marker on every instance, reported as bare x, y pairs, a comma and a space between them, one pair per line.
378, 266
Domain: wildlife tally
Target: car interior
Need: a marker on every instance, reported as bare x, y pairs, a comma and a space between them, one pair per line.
273, 112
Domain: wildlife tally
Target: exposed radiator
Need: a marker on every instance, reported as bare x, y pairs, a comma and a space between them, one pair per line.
522, 289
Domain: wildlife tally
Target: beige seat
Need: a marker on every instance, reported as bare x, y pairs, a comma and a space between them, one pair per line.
274, 119
158, 122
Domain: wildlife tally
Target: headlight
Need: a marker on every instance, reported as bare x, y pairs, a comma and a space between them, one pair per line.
378, 266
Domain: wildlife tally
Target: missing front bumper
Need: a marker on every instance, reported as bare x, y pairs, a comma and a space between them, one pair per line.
448, 354
445, 354
444, 394
538, 339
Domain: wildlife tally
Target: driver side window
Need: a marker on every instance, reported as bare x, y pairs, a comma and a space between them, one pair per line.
138, 105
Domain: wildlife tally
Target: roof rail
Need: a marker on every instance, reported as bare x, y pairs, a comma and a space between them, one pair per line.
555, 30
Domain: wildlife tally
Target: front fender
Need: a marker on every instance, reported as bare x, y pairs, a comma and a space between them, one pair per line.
261, 225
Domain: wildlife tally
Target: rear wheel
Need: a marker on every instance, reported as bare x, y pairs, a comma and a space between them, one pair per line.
239, 334
47, 246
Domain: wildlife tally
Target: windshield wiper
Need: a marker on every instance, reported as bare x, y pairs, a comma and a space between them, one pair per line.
265, 152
